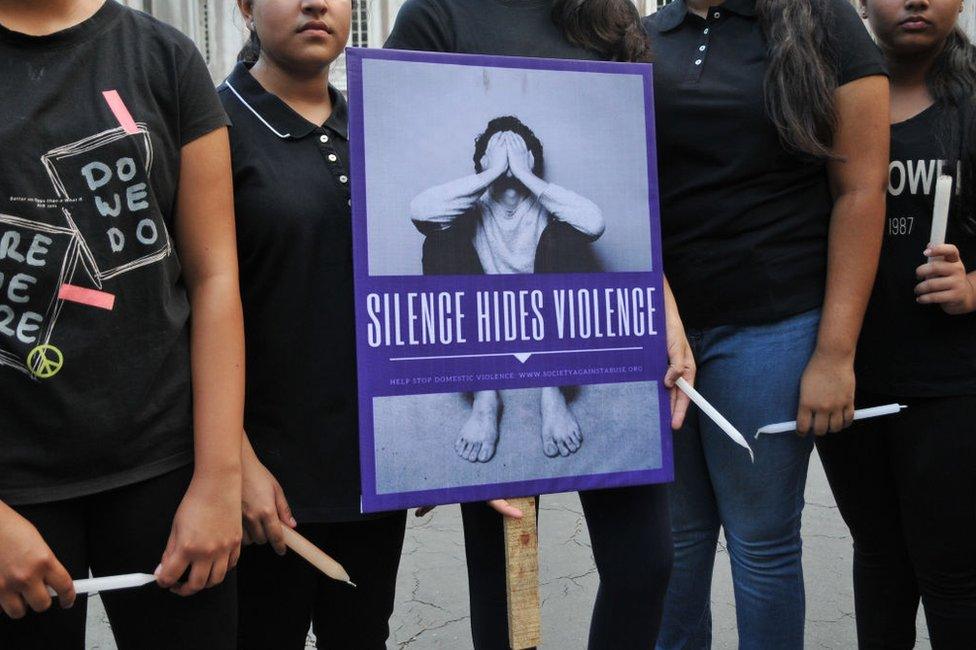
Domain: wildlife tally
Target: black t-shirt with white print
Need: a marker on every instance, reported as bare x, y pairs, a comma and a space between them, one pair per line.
94, 349
907, 349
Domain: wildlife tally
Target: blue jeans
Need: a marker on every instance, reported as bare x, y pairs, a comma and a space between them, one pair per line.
752, 376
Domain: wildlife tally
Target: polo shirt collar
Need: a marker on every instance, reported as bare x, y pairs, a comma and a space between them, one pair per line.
339, 120
276, 114
673, 14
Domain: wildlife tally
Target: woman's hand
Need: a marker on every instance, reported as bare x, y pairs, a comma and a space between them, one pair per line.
264, 505
28, 567
826, 394
945, 282
206, 536
681, 360
206, 532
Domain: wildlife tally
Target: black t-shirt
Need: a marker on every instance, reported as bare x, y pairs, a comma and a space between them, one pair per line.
744, 220
907, 349
294, 234
499, 27
94, 354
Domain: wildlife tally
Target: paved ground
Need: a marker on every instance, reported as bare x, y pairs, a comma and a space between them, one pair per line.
432, 594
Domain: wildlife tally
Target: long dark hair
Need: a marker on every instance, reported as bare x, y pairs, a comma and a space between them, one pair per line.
252, 48
952, 82
611, 28
801, 74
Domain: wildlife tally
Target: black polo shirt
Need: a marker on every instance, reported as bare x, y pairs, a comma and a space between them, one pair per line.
744, 220
294, 234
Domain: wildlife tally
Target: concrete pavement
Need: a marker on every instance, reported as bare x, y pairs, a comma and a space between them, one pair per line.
432, 593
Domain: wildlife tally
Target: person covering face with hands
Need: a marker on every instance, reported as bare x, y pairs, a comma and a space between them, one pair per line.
516, 222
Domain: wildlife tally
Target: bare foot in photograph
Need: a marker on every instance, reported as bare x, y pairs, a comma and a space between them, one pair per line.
479, 435
561, 434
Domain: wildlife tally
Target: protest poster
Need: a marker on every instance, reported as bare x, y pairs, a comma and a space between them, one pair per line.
510, 313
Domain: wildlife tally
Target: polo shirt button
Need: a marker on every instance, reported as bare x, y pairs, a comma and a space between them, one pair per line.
349, 202
701, 49
343, 179
698, 62
706, 31
333, 157
323, 139
717, 15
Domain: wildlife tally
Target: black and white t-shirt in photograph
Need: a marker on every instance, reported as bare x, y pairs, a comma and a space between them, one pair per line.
94, 346
908, 349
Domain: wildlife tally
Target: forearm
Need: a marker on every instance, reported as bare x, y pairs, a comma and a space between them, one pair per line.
856, 231
568, 206
217, 352
858, 182
444, 203
671, 306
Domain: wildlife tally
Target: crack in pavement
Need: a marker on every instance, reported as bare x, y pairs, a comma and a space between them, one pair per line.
415, 637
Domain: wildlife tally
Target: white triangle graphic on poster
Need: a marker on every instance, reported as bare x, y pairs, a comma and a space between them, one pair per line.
522, 356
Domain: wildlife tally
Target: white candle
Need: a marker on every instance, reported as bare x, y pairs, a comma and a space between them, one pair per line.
315, 556
940, 213
109, 583
860, 414
716, 417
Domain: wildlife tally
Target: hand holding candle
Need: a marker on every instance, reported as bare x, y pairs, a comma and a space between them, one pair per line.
860, 414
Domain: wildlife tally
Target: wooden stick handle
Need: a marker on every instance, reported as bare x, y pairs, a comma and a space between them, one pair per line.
315, 556
522, 576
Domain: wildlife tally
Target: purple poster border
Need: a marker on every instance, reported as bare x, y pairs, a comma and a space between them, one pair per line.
373, 502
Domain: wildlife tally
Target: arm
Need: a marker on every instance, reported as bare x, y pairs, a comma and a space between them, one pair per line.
577, 211
438, 207
206, 532
858, 180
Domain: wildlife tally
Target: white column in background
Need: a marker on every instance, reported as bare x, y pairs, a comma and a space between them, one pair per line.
968, 18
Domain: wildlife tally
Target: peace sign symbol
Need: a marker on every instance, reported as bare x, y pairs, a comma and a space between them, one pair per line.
45, 361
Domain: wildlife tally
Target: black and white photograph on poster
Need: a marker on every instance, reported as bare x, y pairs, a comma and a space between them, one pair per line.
509, 285
530, 177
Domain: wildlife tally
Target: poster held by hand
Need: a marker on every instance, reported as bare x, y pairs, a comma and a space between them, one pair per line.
508, 277
509, 288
